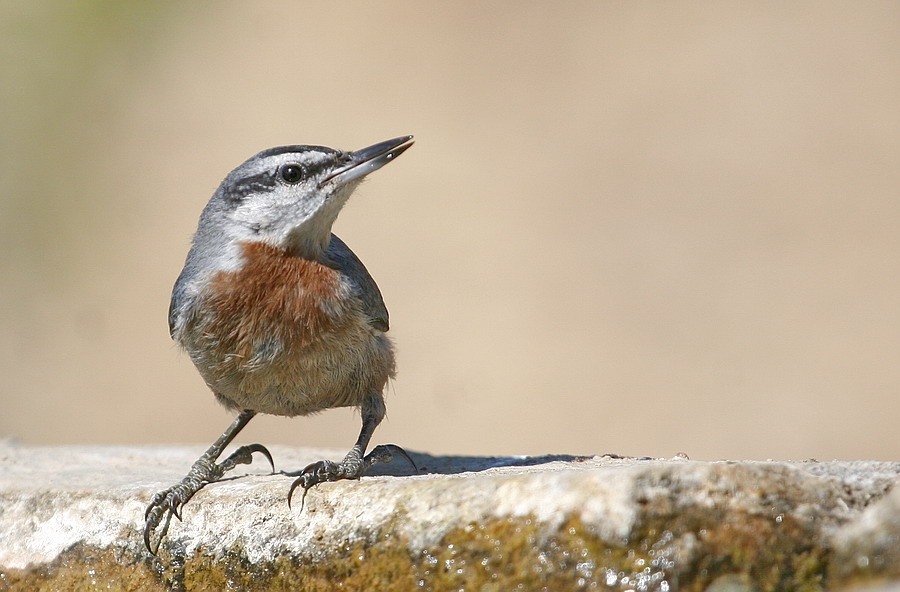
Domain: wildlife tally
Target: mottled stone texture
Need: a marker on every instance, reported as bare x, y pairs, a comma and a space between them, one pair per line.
71, 519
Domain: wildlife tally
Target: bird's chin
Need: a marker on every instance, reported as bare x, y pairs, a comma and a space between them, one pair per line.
308, 242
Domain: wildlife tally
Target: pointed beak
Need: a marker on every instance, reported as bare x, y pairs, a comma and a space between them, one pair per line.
367, 160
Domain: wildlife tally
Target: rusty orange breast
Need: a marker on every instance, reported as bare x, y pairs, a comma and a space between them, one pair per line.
275, 295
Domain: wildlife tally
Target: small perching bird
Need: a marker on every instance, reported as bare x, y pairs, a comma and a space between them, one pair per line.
278, 314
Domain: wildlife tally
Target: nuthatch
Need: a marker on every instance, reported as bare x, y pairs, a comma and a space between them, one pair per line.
278, 314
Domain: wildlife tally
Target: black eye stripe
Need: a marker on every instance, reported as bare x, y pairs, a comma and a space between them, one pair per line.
238, 189
253, 184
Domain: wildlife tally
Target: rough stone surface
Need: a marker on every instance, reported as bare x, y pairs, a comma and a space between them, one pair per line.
71, 518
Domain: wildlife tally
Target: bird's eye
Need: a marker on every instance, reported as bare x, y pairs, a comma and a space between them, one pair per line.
291, 173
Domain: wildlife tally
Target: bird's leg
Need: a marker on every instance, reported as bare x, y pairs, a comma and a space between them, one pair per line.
168, 502
357, 461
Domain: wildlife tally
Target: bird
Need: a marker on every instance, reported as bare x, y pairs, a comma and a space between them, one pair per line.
278, 315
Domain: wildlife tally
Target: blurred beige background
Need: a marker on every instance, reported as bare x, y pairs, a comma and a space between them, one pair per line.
630, 228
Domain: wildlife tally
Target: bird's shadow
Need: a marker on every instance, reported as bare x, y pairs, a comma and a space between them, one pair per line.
421, 463
429, 464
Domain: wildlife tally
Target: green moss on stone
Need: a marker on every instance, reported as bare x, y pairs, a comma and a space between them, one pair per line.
688, 549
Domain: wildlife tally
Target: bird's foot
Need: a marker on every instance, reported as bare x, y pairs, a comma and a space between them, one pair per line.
205, 470
352, 467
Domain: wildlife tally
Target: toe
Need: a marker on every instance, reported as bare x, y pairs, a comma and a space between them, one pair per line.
384, 453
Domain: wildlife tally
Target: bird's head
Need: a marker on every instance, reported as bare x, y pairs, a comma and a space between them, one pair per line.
289, 197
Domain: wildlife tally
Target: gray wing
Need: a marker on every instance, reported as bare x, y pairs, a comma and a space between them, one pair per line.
367, 290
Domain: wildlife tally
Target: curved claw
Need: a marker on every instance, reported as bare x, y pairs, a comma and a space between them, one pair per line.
264, 451
166, 503
382, 453
294, 486
242, 456
309, 477
147, 531
155, 513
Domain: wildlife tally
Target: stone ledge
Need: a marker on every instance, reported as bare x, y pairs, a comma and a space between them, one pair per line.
71, 518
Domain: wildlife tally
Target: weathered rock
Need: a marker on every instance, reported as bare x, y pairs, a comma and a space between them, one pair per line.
71, 518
